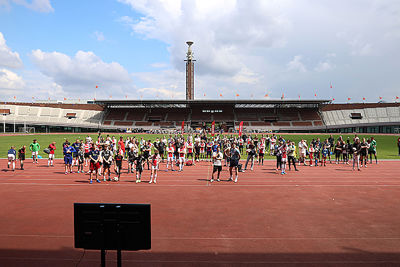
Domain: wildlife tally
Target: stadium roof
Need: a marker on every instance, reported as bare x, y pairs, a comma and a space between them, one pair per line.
249, 103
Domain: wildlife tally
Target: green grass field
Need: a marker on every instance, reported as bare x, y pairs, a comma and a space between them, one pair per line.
386, 144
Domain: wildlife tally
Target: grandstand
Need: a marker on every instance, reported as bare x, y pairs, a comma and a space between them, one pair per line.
257, 115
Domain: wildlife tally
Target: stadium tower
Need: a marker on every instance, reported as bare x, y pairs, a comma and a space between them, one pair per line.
189, 72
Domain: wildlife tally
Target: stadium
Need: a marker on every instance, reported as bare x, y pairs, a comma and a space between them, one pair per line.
157, 115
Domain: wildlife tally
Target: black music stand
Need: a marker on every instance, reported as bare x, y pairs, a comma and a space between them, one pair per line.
101, 226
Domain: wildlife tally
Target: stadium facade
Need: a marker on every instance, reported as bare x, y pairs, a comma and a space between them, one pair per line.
257, 115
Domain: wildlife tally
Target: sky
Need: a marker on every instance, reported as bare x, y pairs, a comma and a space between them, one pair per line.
258, 49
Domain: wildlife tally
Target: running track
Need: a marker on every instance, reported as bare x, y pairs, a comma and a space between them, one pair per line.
319, 216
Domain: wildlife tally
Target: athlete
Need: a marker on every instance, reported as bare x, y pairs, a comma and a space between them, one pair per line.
12, 156
291, 151
52, 148
81, 159
107, 156
21, 156
234, 162
182, 154
217, 164
34, 147
261, 152
372, 150
68, 152
356, 153
132, 154
77, 147
325, 152
170, 156
94, 157
139, 167
118, 158
364, 153
283, 150
155, 160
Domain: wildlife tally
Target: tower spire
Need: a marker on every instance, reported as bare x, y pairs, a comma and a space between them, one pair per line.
189, 72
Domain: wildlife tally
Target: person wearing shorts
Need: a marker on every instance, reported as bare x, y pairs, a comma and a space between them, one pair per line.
11, 155
217, 164
155, 160
68, 152
86, 153
202, 149
182, 153
94, 157
107, 157
81, 159
190, 148
234, 162
283, 151
372, 150
197, 151
356, 153
364, 153
50, 161
325, 152
34, 147
139, 167
21, 156
77, 147
261, 152
118, 165
170, 156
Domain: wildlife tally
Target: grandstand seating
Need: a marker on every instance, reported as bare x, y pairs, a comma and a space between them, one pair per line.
369, 114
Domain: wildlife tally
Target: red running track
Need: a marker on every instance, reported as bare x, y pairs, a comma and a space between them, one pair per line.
319, 216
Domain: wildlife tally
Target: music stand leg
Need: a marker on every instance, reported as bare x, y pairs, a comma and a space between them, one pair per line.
103, 258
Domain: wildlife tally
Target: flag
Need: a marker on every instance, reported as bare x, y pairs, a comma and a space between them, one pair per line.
240, 128
97, 86
220, 95
315, 95
283, 96
237, 94
213, 128
266, 95
349, 98
363, 98
15, 97
183, 127
65, 98
204, 94
126, 96
380, 98
110, 96
397, 97
299, 97
331, 86
333, 99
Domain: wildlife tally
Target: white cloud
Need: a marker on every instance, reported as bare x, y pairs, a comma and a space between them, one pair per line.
159, 93
10, 82
8, 58
296, 64
43, 6
99, 36
336, 41
81, 73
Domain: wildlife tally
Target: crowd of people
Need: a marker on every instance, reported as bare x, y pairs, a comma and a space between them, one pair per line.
97, 157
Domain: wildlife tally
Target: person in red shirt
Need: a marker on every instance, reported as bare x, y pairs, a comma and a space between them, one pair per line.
50, 161
170, 157
121, 145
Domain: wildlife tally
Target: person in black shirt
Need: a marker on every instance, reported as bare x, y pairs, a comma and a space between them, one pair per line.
364, 153
131, 159
139, 167
107, 156
197, 151
356, 153
345, 151
118, 166
251, 153
21, 156
338, 151
331, 141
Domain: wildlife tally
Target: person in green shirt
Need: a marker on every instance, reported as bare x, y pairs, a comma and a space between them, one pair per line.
372, 150
34, 147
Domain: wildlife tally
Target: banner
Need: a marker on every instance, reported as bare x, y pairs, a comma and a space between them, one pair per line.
213, 128
240, 128
183, 127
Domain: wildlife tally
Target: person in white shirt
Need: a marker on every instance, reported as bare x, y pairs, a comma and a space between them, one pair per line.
182, 153
217, 164
170, 156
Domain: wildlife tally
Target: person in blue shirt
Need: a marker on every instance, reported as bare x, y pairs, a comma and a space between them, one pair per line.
11, 154
68, 152
77, 146
325, 152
